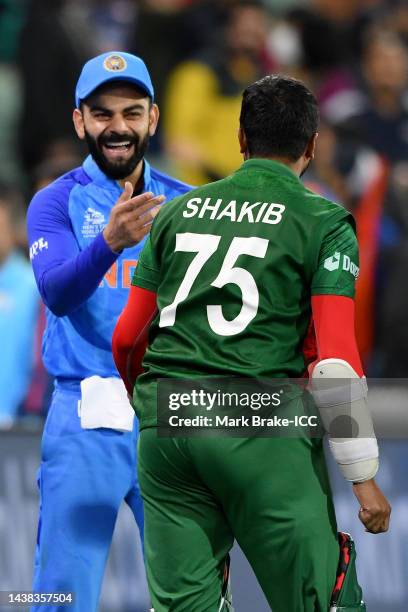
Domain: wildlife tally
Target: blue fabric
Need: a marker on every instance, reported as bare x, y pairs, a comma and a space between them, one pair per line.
83, 479
70, 258
18, 313
84, 474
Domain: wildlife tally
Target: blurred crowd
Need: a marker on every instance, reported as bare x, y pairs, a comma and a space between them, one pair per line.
201, 54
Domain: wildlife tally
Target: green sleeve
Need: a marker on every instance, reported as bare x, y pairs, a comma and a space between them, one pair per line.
146, 274
337, 266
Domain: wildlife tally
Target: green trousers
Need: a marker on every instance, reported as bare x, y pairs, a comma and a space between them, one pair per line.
271, 494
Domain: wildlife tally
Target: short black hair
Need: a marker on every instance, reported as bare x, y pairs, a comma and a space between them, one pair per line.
279, 116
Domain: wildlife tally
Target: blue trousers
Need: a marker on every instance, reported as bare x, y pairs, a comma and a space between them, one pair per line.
83, 478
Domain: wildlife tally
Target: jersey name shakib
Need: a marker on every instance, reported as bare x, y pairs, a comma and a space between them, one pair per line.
217, 208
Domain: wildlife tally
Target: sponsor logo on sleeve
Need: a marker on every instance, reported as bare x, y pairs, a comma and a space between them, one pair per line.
335, 261
37, 247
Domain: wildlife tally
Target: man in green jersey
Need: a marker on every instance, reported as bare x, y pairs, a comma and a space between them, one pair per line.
229, 279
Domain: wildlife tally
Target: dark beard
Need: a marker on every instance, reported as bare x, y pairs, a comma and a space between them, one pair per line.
121, 169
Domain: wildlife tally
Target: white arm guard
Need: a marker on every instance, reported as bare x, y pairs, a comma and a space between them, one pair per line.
341, 396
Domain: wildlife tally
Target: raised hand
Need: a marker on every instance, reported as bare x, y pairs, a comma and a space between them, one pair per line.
130, 218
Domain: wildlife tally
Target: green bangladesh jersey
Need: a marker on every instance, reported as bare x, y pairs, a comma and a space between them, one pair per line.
234, 265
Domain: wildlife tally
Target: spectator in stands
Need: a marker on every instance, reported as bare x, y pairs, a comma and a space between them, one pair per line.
204, 95
382, 122
12, 15
55, 43
180, 29
19, 303
377, 133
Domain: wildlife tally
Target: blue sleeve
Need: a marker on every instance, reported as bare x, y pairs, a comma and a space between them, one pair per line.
66, 276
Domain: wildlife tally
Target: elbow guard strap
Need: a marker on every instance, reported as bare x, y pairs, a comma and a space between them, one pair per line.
341, 396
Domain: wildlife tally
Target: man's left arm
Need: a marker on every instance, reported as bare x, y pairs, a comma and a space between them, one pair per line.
339, 361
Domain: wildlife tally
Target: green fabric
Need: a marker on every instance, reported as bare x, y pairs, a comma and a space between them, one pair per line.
337, 267
272, 494
243, 257
255, 321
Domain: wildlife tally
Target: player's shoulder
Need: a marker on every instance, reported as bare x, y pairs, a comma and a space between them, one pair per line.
326, 211
168, 183
56, 194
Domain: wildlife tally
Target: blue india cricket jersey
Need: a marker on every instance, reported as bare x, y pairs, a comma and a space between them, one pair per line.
82, 282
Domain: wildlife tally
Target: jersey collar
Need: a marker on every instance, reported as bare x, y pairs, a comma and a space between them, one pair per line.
269, 165
99, 178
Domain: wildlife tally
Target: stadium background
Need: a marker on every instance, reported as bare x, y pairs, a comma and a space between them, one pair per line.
353, 54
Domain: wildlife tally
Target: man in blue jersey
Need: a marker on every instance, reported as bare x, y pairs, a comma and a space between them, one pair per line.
86, 231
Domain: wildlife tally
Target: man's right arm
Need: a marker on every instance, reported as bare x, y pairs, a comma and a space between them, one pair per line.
66, 276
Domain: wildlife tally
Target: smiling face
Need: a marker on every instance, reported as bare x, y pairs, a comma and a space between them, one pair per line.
117, 122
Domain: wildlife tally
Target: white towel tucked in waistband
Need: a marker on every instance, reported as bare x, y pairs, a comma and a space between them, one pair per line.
104, 403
